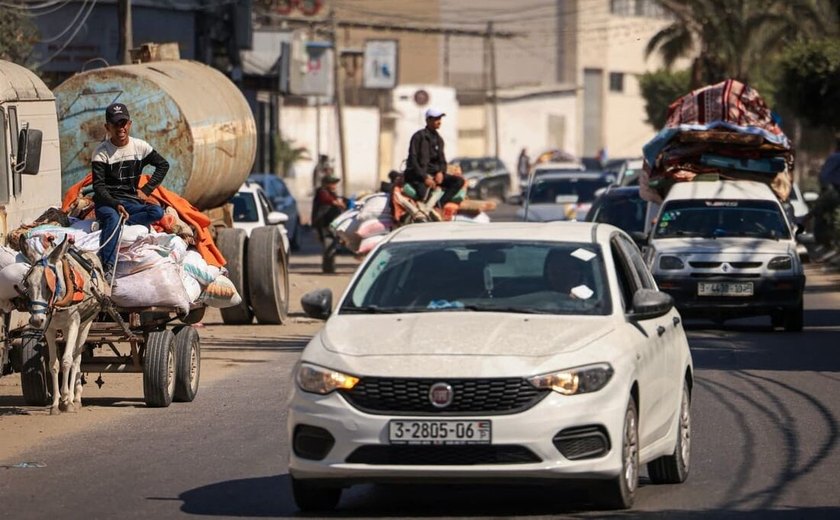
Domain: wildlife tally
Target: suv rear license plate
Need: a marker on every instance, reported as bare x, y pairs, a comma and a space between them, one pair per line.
725, 289
439, 432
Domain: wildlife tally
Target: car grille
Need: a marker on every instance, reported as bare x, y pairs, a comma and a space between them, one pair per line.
462, 455
726, 275
713, 265
470, 396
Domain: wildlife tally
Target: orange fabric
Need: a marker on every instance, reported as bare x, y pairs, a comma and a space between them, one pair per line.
186, 211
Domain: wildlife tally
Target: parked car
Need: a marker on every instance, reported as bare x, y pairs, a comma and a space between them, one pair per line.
547, 168
629, 171
485, 177
282, 199
561, 196
725, 249
508, 352
252, 209
623, 207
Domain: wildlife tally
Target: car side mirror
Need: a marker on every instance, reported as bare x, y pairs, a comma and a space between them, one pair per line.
276, 217
317, 304
649, 304
515, 200
29, 151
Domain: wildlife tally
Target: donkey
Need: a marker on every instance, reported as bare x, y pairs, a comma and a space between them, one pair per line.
64, 295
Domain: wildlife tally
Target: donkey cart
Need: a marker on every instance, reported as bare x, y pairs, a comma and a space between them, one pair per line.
138, 340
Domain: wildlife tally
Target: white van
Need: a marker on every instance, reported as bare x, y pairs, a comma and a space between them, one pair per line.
726, 249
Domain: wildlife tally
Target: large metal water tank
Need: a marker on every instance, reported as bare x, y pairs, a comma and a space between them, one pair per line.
190, 113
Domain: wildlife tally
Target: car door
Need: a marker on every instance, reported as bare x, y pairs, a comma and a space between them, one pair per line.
667, 358
648, 345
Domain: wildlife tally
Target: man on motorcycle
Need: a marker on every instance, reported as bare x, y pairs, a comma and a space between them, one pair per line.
426, 164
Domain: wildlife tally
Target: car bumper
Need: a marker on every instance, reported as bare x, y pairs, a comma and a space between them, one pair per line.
769, 294
533, 429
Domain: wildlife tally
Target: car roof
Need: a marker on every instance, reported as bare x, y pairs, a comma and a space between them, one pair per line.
622, 192
560, 165
733, 190
507, 231
590, 175
250, 187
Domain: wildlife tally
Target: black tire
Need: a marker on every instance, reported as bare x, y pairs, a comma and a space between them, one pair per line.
233, 243
673, 469
620, 493
268, 275
159, 369
35, 379
794, 319
777, 319
187, 364
194, 316
311, 497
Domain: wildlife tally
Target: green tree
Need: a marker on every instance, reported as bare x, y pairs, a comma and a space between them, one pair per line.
733, 38
660, 89
17, 33
809, 81
286, 154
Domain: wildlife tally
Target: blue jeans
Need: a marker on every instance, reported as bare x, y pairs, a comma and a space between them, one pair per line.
109, 219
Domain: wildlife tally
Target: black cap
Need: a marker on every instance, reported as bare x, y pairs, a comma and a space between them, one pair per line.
116, 112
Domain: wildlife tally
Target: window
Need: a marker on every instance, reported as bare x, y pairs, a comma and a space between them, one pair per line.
624, 273
4, 172
623, 7
244, 208
616, 82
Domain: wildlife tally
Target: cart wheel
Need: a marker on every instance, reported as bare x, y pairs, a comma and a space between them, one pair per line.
34, 376
268, 275
159, 369
233, 245
187, 363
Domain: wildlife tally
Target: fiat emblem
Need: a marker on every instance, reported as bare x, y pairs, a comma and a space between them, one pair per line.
440, 395
725, 268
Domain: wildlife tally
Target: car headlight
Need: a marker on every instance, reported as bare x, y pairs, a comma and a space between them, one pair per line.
780, 263
572, 381
670, 262
472, 183
319, 380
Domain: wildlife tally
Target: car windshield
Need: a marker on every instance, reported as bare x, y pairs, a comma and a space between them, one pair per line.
570, 189
482, 276
721, 218
244, 208
485, 165
625, 212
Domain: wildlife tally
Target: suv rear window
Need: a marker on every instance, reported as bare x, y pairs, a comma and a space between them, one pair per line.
722, 218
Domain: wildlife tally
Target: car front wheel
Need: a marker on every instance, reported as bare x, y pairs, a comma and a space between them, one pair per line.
673, 469
620, 493
309, 496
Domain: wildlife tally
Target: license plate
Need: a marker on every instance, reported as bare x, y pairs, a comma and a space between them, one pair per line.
439, 432
725, 289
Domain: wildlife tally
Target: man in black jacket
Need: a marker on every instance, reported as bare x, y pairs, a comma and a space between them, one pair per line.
426, 164
117, 164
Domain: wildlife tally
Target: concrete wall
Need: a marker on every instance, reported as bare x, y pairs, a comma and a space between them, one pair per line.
361, 131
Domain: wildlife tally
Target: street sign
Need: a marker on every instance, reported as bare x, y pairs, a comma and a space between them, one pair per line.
381, 64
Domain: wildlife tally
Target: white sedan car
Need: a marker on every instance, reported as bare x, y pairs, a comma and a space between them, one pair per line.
504, 351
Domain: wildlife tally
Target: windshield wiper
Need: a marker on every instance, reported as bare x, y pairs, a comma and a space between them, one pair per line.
372, 309
517, 310
691, 234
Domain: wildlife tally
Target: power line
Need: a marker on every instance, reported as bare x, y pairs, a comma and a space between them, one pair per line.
27, 7
70, 39
69, 26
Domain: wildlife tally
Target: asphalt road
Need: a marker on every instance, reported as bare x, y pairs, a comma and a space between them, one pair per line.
765, 418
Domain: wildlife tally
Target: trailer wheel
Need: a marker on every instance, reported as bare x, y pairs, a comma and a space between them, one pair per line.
233, 245
34, 376
268, 275
159, 369
187, 363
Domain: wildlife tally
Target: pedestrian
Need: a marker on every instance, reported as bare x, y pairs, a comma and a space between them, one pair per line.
322, 168
117, 164
426, 164
829, 200
327, 205
523, 166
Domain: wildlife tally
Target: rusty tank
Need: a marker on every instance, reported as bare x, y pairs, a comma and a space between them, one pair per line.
190, 113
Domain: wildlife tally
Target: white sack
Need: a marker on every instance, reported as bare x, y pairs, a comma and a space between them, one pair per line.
161, 286
10, 276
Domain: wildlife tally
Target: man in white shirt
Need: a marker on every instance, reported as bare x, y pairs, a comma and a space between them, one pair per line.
117, 164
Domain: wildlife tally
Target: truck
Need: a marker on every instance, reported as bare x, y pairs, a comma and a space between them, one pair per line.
30, 167
199, 120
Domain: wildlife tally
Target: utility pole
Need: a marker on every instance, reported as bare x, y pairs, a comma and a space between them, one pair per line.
492, 44
126, 39
339, 100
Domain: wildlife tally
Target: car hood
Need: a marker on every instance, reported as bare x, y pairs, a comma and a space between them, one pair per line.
547, 212
723, 245
461, 334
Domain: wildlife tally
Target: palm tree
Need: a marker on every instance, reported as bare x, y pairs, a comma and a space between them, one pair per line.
733, 38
